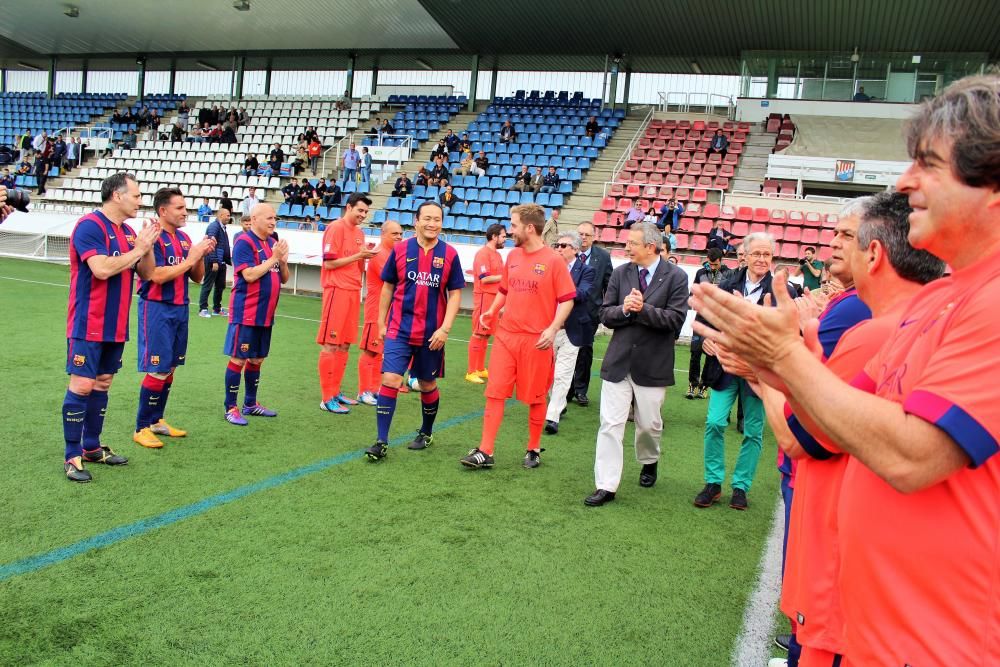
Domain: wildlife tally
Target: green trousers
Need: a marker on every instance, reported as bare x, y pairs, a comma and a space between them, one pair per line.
720, 403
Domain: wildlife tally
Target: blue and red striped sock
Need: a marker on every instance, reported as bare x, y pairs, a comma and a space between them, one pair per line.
97, 408
233, 373
151, 395
384, 410
430, 401
251, 377
167, 384
74, 410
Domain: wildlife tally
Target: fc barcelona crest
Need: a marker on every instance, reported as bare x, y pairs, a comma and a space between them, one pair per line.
79, 359
539, 269
438, 262
244, 347
154, 359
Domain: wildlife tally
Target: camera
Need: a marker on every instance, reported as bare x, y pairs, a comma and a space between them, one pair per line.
802, 262
18, 199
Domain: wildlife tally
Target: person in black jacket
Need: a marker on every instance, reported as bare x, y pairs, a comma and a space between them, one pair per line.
600, 260
403, 186
754, 283
700, 379
215, 265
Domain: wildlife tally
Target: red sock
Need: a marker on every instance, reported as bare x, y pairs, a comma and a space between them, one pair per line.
375, 376
482, 354
364, 372
492, 417
326, 370
536, 420
339, 366
475, 345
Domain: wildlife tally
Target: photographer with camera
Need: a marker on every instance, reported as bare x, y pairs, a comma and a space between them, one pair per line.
811, 269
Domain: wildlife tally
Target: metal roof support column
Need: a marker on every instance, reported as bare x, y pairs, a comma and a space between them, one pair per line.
493, 84
3, 80
473, 80
374, 80
173, 76
84, 71
349, 86
52, 76
604, 83
613, 92
772, 78
267, 77
628, 85
141, 88
241, 64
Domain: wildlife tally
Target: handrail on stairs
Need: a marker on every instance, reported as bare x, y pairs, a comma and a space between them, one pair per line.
632, 144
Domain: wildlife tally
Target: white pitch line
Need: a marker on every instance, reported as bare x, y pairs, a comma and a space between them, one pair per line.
753, 646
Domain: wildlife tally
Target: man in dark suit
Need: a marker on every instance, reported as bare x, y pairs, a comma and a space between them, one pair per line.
215, 266
754, 283
645, 305
599, 260
576, 330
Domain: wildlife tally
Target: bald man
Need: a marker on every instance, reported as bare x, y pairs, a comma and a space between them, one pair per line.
260, 268
370, 359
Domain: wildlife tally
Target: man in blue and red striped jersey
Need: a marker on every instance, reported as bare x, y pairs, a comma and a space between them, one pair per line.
163, 314
104, 253
260, 268
421, 295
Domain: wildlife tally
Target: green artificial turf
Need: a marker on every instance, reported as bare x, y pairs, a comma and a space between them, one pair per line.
411, 561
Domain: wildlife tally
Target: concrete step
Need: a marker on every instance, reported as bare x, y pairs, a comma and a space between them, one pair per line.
756, 151
751, 185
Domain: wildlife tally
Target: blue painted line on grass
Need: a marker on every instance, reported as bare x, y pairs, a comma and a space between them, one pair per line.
143, 526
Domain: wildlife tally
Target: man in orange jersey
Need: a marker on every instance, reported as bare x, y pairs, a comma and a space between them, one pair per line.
344, 255
536, 295
486, 270
370, 359
917, 519
871, 255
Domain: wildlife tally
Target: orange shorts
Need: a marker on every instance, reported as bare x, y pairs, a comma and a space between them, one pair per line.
516, 362
338, 325
369, 338
480, 304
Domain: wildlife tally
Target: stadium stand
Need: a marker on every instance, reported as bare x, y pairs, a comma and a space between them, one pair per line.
421, 116
32, 112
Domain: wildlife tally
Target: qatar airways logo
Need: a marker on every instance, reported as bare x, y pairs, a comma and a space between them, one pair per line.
523, 285
424, 278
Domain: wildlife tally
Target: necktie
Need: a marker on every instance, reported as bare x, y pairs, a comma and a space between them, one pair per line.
643, 275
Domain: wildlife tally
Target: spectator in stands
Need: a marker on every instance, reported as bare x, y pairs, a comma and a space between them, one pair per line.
24, 145
537, 180
422, 176
403, 186
482, 164
153, 124
315, 193
550, 232
366, 166
220, 116
719, 144
465, 144
58, 152
274, 160
376, 127
387, 127
522, 180
42, 169
344, 102
214, 133
439, 172
670, 215
634, 215
351, 161
196, 135
292, 193
142, 119
248, 203
214, 281
250, 165
507, 133
860, 95
243, 117
669, 241
314, 150
448, 198
719, 237
8, 180
205, 115
311, 135
651, 215
226, 202
440, 150
810, 268
129, 139
72, 154
301, 160
452, 142
592, 128
183, 113
315, 223
39, 141
466, 165
204, 211
24, 167
177, 133
332, 195
228, 133
116, 117
551, 183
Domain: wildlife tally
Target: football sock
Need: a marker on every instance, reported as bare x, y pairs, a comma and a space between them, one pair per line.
97, 408
251, 377
167, 384
74, 409
492, 417
233, 372
375, 379
474, 346
151, 395
536, 420
339, 366
384, 411
429, 400
327, 384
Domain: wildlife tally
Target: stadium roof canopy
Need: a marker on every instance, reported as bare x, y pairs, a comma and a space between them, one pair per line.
652, 35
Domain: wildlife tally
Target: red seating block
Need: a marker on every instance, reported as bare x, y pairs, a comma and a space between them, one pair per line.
699, 196
616, 219
704, 226
740, 229
632, 191
693, 210
599, 219
622, 236
682, 241
608, 204
777, 231
711, 211
721, 182
727, 213
698, 243
793, 233
608, 235
789, 251
810, 236
826, 236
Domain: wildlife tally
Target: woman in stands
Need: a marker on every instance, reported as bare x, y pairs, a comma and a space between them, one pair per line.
421, 177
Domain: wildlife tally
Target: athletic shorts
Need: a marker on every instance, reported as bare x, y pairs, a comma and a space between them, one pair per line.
369, 338
247, 342
480, 304
516, 363
163, 336
88, 358
338, 325
426, 364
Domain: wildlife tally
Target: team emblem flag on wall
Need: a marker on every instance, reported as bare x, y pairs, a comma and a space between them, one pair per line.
845, 170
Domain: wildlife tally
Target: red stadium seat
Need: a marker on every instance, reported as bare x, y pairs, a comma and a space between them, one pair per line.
624, 204
778, 216
831, 221
632, 191
789, 251
740, 229
623, 236
761, 214
711, 211
682, 194
656, 179
617, 190
793, 233
721, 182
616, 219
795, 218
727, 213
826, 236
693, 210
608, 204
682, 241
704, 226
777, 231
744, 213
813, 220
810, 236
608, 235
698, 243
699, 196
599, 219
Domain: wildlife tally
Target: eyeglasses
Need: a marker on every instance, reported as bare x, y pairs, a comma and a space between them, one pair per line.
761, 255
586, 235
560, 246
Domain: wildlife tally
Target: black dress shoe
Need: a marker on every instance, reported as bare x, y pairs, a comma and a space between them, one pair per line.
582, 400
551, 427
563, 413
598, 498
647, 477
